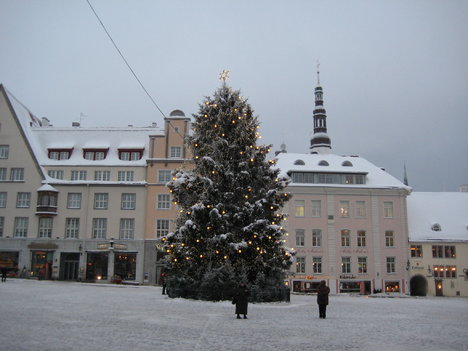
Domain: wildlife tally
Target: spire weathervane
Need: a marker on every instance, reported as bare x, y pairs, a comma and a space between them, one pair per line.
224, 75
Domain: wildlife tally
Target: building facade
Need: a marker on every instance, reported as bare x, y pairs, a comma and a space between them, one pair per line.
438, 243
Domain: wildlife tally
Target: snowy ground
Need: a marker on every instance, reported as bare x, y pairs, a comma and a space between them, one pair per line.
45, 315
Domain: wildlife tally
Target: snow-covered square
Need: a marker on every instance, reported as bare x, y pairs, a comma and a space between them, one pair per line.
47, 315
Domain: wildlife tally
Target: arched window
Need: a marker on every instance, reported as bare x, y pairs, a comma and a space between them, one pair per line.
436, 227
323, 163
299, 162
347, 164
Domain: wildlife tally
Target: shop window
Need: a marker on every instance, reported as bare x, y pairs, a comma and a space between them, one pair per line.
392, 287
96, 265
125, 265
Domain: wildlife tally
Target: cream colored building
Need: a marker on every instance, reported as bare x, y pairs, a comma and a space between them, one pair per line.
438, 243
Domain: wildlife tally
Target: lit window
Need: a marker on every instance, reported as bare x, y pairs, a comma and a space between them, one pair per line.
299, 208
416, 251
344, 208
300, 264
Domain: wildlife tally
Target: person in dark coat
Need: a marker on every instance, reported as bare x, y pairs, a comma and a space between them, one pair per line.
4, 274
322, 298
241, 299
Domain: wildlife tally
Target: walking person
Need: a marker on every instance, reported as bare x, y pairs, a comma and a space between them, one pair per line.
163, 282
241, 299
4, 274
322, 299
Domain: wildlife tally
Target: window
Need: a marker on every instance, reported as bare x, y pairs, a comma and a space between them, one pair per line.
45, 227
325, 178
344, 208
439, 271
162, 227
127, 228
72, 228
74, 200
316, 208
299, 208
175, 152
4, 151
21, 227
323, 163
316, 237
450, 271
101, 201
347, 164
164, 176
56, 174
388, 209
78, 175
416, 251
299, 163
389, 238
436, 227
102, 175
125, 176
345, 265
361, 238
3, 199
345, 238
362, 265
94, 155
59, 154
130, 155
439, 251
128, 201
164, 202
360, 209
317, 264
99, 228
391, 265
300, 237
17, 174
23, 200
300, 264
2, 226
349, 179
3, 174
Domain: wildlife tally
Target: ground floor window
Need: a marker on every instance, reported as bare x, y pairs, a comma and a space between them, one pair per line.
96, 265
9, 262
392, 286
305, 286
350, 287
125, 265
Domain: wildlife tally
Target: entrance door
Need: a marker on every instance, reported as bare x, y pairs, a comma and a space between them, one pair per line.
69, 265
439, 288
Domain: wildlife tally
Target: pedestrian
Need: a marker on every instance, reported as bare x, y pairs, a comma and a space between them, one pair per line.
4, 274
322, 298
241, 300
163, 281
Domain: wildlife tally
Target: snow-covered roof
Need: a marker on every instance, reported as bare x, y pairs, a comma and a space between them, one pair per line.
47, 187
375, 176
449, 211
43, 137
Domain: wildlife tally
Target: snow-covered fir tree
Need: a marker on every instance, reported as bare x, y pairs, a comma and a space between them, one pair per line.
229, 227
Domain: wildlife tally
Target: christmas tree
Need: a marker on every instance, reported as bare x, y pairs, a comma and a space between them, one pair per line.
229, 227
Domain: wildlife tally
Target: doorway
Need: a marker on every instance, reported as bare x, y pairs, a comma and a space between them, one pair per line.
418, 286
439, 288
69, 266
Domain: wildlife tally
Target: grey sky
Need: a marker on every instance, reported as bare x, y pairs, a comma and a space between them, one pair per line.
394, 73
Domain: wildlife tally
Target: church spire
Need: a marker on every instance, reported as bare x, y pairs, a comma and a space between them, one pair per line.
320, 142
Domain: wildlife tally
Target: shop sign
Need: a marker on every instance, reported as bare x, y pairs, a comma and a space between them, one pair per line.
43, 246
347, 276
103, 246
120, 247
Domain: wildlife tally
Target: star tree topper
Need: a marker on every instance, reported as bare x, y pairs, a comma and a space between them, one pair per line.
224, 75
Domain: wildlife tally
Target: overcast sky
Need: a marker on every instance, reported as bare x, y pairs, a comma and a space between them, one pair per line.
394, 73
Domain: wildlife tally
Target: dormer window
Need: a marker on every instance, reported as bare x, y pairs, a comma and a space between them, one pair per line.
299, 163
59, 154
347, 164
436, 227
323, 163
130, 155
95, 154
